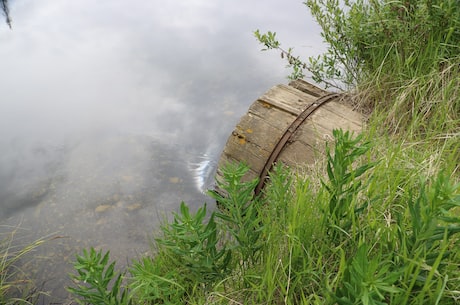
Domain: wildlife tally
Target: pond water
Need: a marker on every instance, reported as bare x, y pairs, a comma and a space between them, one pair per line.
113, 112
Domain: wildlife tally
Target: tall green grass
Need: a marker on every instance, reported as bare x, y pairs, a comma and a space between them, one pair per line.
393, 242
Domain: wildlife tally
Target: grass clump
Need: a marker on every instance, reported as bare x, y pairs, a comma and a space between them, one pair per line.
15, 287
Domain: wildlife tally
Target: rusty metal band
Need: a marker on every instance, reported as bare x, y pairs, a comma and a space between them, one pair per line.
287, 137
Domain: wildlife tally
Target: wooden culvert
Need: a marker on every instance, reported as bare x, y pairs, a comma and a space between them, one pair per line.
288, 124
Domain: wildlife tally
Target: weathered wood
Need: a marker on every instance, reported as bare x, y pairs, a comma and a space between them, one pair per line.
288, 99
259, 132
308, 88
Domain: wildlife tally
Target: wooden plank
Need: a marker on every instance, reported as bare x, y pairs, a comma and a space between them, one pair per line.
288, 99
275, 117
345, 112
251, 153
330, 120
308, 88
313, 135
257, 131
297, 153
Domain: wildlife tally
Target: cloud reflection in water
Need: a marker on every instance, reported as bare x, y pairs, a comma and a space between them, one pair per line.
112, 111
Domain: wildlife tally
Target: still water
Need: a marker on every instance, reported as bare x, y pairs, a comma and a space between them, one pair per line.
113, 112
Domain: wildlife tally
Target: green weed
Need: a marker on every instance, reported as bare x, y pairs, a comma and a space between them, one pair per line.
344, 183
367, 281
238, 212
193, 243
96, 281
367, 233
153, 283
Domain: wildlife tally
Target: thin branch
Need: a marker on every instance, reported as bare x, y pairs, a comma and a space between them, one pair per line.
6, 11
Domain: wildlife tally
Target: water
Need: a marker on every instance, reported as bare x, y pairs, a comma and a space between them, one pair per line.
113, 112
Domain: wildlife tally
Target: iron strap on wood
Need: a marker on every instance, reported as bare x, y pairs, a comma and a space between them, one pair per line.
288, 135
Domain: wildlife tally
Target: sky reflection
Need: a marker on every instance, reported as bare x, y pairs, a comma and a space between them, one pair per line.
105, 104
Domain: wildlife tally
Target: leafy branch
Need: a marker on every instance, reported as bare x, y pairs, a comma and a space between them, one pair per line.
294, 62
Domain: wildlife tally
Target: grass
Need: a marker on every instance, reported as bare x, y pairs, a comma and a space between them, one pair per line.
15, 287
377, 221
423, 107
373, 228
